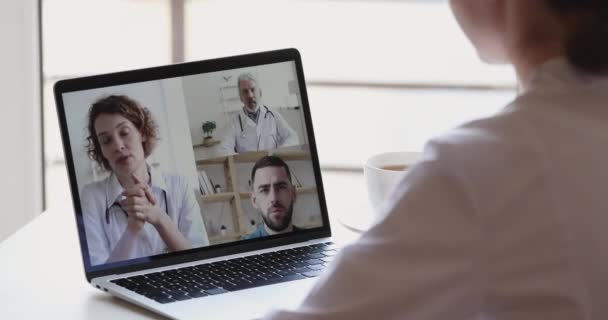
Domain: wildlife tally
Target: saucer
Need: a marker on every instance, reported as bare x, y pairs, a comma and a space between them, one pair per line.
357, 223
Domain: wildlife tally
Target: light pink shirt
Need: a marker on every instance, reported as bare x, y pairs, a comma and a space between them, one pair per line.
504, 218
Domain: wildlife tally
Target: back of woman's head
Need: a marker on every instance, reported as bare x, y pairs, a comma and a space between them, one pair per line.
587, 47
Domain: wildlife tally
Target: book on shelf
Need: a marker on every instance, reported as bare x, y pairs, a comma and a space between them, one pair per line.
295, 181
205, 184
201, 184
209, 184
213, 186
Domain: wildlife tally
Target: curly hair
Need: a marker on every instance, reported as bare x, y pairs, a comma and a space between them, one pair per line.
130, 109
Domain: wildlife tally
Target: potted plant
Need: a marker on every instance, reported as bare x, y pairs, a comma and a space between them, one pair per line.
208, 127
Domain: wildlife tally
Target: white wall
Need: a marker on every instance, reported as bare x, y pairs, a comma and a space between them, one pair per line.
21, 160
179, 134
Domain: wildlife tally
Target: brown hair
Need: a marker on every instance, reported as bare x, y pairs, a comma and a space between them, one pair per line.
132, 111
270, 161
587, 47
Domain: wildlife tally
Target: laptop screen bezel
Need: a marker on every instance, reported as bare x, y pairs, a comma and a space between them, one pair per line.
181, 70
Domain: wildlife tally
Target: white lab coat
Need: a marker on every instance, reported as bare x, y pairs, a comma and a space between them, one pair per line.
103, 232
242, 134
503, 218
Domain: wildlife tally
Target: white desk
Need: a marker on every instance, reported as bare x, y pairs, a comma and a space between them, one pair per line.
41, 273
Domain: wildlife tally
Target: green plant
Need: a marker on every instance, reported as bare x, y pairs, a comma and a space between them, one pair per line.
208, 127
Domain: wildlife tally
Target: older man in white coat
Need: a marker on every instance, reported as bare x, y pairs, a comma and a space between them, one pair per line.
256, 127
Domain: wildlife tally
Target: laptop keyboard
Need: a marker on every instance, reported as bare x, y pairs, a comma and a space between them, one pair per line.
232, 275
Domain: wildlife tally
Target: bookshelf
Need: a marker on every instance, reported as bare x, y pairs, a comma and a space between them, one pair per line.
233, 196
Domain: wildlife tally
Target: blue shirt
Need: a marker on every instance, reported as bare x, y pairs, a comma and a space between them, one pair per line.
259, 232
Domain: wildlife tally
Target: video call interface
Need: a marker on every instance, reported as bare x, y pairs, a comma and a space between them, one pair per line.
175, 164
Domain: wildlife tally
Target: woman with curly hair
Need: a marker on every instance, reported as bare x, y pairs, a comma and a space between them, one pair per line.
137, 211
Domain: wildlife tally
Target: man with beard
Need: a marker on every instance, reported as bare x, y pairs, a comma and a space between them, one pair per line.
273, 195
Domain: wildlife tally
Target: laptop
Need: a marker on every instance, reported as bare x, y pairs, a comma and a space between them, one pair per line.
196, 187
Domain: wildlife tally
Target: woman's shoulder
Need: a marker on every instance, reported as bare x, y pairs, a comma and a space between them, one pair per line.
174, 180
524, 123
94, 187
505, 131
93, 195
490, 157
487, 149
178, 186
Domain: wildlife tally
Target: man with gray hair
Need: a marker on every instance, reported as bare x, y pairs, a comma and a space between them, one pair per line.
256, 127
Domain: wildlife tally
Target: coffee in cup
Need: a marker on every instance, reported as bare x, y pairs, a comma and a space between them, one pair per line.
396, 167
383, 172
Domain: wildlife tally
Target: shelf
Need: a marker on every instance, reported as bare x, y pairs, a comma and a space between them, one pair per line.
220, 160
285, 155
298, 191
200, 145
293, 155
257, 155
218, 197
249, 156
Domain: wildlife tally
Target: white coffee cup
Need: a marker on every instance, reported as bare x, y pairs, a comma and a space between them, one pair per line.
382, 173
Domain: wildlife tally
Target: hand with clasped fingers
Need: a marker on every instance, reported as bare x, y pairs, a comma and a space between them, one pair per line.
141, 206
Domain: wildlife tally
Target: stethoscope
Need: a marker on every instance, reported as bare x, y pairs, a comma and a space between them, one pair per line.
265, 116
123, 210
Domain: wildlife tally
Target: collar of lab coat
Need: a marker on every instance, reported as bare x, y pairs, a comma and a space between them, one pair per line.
263, 111
114, 189
258, 112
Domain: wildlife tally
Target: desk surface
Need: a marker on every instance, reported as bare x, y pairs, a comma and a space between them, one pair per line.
42, 275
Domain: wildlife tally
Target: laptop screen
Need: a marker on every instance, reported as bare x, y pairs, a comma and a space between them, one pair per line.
184, 163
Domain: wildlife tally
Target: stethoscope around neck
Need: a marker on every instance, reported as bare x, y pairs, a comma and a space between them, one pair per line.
243, 135
268, 112
125, 212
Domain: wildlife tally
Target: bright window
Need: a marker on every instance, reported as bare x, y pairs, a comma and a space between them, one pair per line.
382, 75
345, 41
86, 37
